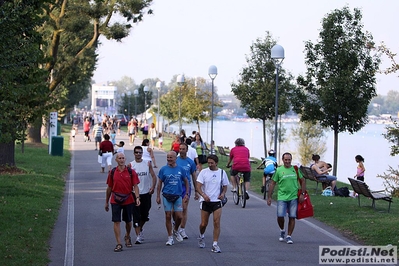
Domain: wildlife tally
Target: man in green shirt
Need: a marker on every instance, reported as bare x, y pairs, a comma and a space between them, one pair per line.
287, 195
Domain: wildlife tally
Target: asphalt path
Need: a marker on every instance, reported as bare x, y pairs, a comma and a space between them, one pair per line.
83, 234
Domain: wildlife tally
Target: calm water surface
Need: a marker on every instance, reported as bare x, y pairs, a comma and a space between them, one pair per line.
368, 142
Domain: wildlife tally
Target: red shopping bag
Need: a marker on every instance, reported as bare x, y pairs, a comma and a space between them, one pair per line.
305, 209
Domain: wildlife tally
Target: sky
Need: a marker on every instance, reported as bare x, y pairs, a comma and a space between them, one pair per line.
188, 36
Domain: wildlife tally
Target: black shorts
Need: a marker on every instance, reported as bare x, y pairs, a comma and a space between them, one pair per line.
361, 178
247, 175
142, 212
210, 206
127, 212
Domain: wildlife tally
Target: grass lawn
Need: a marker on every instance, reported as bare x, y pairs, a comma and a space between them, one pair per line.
30, 204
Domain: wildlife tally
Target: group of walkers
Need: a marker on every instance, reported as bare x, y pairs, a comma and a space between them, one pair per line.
175, 181
173, 190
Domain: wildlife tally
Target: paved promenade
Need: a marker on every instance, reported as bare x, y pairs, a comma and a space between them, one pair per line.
83, 234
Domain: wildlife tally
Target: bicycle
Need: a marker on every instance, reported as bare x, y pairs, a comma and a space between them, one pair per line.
267, 184
239, 195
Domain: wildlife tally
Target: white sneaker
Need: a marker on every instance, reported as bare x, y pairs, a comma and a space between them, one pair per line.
216, 249
141, 235
183, 234
170, 241
179, 238
201, 242
138, 240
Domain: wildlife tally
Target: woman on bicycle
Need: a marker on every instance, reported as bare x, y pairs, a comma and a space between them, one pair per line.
240, 157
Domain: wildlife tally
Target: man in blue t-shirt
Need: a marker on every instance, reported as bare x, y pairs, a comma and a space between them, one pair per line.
172, 177
189, 166
270, 163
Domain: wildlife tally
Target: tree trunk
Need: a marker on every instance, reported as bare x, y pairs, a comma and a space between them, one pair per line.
34, 131
7, 154
335, 152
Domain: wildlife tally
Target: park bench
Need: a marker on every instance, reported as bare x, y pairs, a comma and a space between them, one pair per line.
362, 188
308, 174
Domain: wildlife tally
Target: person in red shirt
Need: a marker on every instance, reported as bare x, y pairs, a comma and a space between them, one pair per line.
240, 157
121, 182
107, 150
86, 129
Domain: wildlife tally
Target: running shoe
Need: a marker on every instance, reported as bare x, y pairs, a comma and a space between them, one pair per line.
289, 240
216, 249
138, 240
170, 241
178, 236
282, 235
182, 232
201, 242
246, 195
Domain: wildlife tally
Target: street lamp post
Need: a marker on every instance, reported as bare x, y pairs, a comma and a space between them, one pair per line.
180, 81
158, 86
129, 93
212, 72
136, 93
123, 96
277, 55
146, 89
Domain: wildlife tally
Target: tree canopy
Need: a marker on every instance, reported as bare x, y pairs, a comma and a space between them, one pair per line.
256, 87
340, 78
23, 81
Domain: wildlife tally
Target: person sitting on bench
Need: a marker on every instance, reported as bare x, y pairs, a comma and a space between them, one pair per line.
321, 170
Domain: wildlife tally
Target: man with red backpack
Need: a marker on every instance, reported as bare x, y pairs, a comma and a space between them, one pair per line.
121, 181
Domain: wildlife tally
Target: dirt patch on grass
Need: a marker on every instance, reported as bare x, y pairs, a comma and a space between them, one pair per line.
11, 170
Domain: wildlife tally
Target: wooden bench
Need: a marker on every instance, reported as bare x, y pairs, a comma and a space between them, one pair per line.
308, 174
362, 188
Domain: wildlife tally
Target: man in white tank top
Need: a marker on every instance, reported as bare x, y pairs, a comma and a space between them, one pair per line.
148, 180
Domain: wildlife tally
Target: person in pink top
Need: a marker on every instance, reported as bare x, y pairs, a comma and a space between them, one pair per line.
239, 155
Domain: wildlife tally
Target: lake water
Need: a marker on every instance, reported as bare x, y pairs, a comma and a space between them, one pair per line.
368, 142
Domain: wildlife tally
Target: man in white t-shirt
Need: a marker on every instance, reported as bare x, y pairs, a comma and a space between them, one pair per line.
211, 185
146, 186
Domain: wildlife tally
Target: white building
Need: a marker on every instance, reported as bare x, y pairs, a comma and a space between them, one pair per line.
103, 98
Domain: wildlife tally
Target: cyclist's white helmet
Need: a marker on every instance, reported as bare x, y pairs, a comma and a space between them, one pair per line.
272, 153
239, 142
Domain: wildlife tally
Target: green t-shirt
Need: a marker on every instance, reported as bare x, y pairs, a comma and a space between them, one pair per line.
287, 183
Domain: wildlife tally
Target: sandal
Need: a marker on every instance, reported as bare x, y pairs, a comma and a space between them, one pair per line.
118, 248
128, 241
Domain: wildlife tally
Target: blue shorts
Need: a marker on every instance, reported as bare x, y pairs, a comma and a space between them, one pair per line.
291, 205
176, 206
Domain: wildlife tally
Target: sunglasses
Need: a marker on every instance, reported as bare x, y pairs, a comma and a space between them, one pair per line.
138, 152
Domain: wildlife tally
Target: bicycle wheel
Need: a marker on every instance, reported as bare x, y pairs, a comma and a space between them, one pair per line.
243, 194
266, 187
236, 199
236, 195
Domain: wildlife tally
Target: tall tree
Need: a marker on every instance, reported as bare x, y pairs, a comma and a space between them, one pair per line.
340, 78
67, 31
256, 87
23, 82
